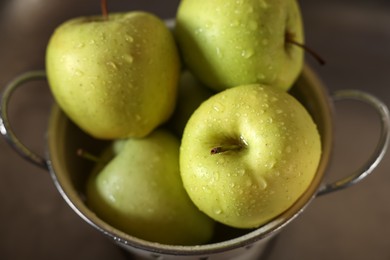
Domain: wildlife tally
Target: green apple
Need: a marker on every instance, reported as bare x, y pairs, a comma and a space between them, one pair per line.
248, 153
115, 77
231, 43
136, 187
191, 93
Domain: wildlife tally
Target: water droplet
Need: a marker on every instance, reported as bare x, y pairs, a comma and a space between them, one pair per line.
220, 160
271, 164
219, 53
112, 198
112, 64
80, 45
264, 42
198, 30
218, 211
128, 58
247, 53
248, 183
262, 183
129, 38
138, 117
218, 107
288, 149
241, 171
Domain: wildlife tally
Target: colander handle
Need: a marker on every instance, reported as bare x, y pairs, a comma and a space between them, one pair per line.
5, 127
381, 146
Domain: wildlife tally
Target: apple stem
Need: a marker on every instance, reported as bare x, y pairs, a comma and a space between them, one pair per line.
289, 39
86, 155
104, 8
225, 148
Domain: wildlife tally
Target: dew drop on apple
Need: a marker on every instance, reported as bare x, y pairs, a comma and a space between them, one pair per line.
271, 164
78, 73
247, 53
112, 65
128, 38
218, 211
262, 183
128, 58
218, 51
198, 31
241, 172
220, 161
112, 198
80, 45
219, 107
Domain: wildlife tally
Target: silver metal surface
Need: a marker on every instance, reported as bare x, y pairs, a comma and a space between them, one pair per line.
369, 166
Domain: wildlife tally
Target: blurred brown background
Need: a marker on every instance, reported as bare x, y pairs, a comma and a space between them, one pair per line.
354, 38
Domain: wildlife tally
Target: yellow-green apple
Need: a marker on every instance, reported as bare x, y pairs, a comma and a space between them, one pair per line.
248, 153
114, 77
191, 93
237, 42
136, 187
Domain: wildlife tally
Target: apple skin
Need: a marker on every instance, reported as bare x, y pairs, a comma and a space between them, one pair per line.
191, 93
231, 43
279, 152
114, 78
136, 187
